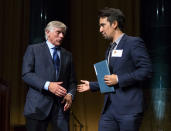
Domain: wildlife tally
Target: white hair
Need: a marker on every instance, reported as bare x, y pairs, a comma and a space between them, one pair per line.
54, 24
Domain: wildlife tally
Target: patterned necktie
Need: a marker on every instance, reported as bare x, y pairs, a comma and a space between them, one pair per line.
110, 56
56, 59
112, 46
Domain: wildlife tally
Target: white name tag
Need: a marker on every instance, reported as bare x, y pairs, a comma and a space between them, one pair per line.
117, 53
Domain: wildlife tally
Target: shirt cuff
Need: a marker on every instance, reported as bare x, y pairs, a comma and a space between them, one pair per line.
69, 94
117, 78
46, 85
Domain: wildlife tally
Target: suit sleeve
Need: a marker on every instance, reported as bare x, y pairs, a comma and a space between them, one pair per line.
142, 65
28, 70
94, 86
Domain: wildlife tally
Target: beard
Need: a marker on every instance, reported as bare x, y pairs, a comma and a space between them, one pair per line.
107, 37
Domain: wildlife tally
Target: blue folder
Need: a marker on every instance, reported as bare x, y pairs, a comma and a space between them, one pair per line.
102, 69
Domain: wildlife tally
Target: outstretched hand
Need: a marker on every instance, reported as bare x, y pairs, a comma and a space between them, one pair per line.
57, 89
84, 86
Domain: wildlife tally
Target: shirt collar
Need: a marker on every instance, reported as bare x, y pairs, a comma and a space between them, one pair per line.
118, 40
50, 45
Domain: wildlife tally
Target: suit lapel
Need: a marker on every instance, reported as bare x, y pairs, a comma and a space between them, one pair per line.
107, 52
47, 55
122, 42
120, 47
62, 62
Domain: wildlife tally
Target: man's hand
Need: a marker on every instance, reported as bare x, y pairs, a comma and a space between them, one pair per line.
84, 86
57, 89
68, 101
111, 79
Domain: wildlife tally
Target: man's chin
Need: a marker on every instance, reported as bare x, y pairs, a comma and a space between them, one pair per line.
58, 43
105, 37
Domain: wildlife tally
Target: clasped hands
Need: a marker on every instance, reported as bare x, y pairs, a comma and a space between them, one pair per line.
58, 90
110, 80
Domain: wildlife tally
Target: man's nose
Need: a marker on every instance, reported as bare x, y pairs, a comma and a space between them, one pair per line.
101, 29
61, 35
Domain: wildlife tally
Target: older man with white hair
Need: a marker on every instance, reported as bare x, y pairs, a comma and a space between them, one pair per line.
48, 71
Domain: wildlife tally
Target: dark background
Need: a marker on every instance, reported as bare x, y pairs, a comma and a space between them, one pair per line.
22, 23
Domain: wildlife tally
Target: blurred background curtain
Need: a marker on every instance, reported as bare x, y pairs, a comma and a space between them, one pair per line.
83, 39
14, 35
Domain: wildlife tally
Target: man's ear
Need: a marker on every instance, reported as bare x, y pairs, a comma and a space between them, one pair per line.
47, 31
115, 24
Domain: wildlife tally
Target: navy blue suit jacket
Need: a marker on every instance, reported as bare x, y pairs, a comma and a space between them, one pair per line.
38, 68
132, 69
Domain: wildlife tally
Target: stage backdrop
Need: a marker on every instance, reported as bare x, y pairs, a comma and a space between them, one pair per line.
84, 41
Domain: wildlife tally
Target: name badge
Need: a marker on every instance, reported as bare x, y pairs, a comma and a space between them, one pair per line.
117, 53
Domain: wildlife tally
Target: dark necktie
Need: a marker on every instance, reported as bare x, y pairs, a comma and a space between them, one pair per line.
112, 46
56, 59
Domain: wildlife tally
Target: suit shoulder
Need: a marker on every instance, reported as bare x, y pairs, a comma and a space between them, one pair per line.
36, 45
133, 38
134, 41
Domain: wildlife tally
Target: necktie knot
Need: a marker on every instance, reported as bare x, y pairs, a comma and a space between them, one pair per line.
56, 48
112, 45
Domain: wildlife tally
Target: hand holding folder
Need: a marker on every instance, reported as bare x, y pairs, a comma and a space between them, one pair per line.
102, 69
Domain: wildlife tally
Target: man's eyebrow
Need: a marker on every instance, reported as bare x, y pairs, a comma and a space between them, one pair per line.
101, 24
59, 31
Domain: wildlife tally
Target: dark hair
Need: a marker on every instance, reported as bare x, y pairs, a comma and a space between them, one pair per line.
113, 14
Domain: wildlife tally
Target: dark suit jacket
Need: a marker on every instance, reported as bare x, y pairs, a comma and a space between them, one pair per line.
38, 68
132, 69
